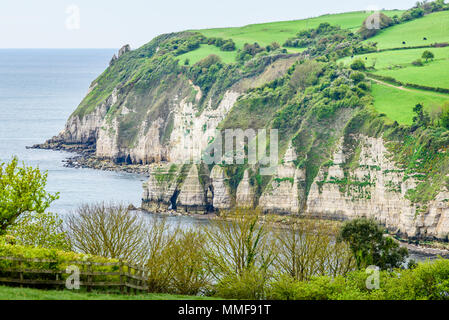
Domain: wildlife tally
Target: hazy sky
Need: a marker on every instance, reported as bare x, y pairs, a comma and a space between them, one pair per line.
111, 23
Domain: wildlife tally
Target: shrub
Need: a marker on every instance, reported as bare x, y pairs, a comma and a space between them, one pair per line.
358, 64
305, 74
307, 249
357, 77
444, 116
238, 245
43, 229
110, 231
159, 264
186, 256
418, 63
369, 27
228, 45
369, 246
251, 284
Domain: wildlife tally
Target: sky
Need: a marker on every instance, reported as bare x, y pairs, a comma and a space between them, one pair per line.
112, 23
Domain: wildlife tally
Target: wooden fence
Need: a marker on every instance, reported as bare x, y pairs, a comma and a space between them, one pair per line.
127, 277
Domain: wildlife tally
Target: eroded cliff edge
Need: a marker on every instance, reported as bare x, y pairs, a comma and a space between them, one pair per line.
338, 158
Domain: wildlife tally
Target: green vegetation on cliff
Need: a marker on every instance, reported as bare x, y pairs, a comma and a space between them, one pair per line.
336, 82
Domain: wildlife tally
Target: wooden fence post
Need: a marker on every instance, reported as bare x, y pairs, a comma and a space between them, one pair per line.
20, 273
129, 279
122, 283
89, 277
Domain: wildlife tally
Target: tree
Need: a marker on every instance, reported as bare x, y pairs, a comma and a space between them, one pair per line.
358, 65
444, 116
428, 55
238, 245
110, 231
43, 229
369, 245
422, 118
307, 249
22, 189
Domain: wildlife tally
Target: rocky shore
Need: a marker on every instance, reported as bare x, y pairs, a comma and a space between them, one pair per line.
84, 157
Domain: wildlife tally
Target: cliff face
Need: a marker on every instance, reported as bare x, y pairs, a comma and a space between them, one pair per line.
338, 159
374, 188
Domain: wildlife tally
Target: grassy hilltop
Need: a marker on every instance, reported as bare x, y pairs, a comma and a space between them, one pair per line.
266, 33
395, 62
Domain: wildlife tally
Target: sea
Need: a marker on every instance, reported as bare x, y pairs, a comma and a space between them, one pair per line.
39, 89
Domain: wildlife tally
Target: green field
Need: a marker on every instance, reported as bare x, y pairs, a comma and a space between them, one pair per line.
205, 50
398, 104
266, 33
10, 293
398, 64
435, 27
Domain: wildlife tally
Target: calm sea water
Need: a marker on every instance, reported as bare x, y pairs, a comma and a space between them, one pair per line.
39, 89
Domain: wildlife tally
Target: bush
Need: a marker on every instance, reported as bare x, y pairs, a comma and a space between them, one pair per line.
251, 284
418, 63
110, 231
358, 64
369, 246
40, 230
62, 259
444, 117
238, 245
188, 264
305, 75
368, 28
357, 77
307, 249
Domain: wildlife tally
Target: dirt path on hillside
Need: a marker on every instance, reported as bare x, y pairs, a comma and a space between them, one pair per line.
430, 93
390, 85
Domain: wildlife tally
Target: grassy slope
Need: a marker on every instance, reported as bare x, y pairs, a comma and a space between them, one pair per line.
398, 104
205, 50
398, 64
9, 293
435, 27
266, 33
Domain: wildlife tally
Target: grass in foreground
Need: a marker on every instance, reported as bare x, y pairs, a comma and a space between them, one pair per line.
398, 104
11, 293
434, 27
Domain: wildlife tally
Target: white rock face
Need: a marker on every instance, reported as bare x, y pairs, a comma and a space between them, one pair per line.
160, 187
222, 199
282, 195
245, 192
379, 193
192, 197
191, 133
